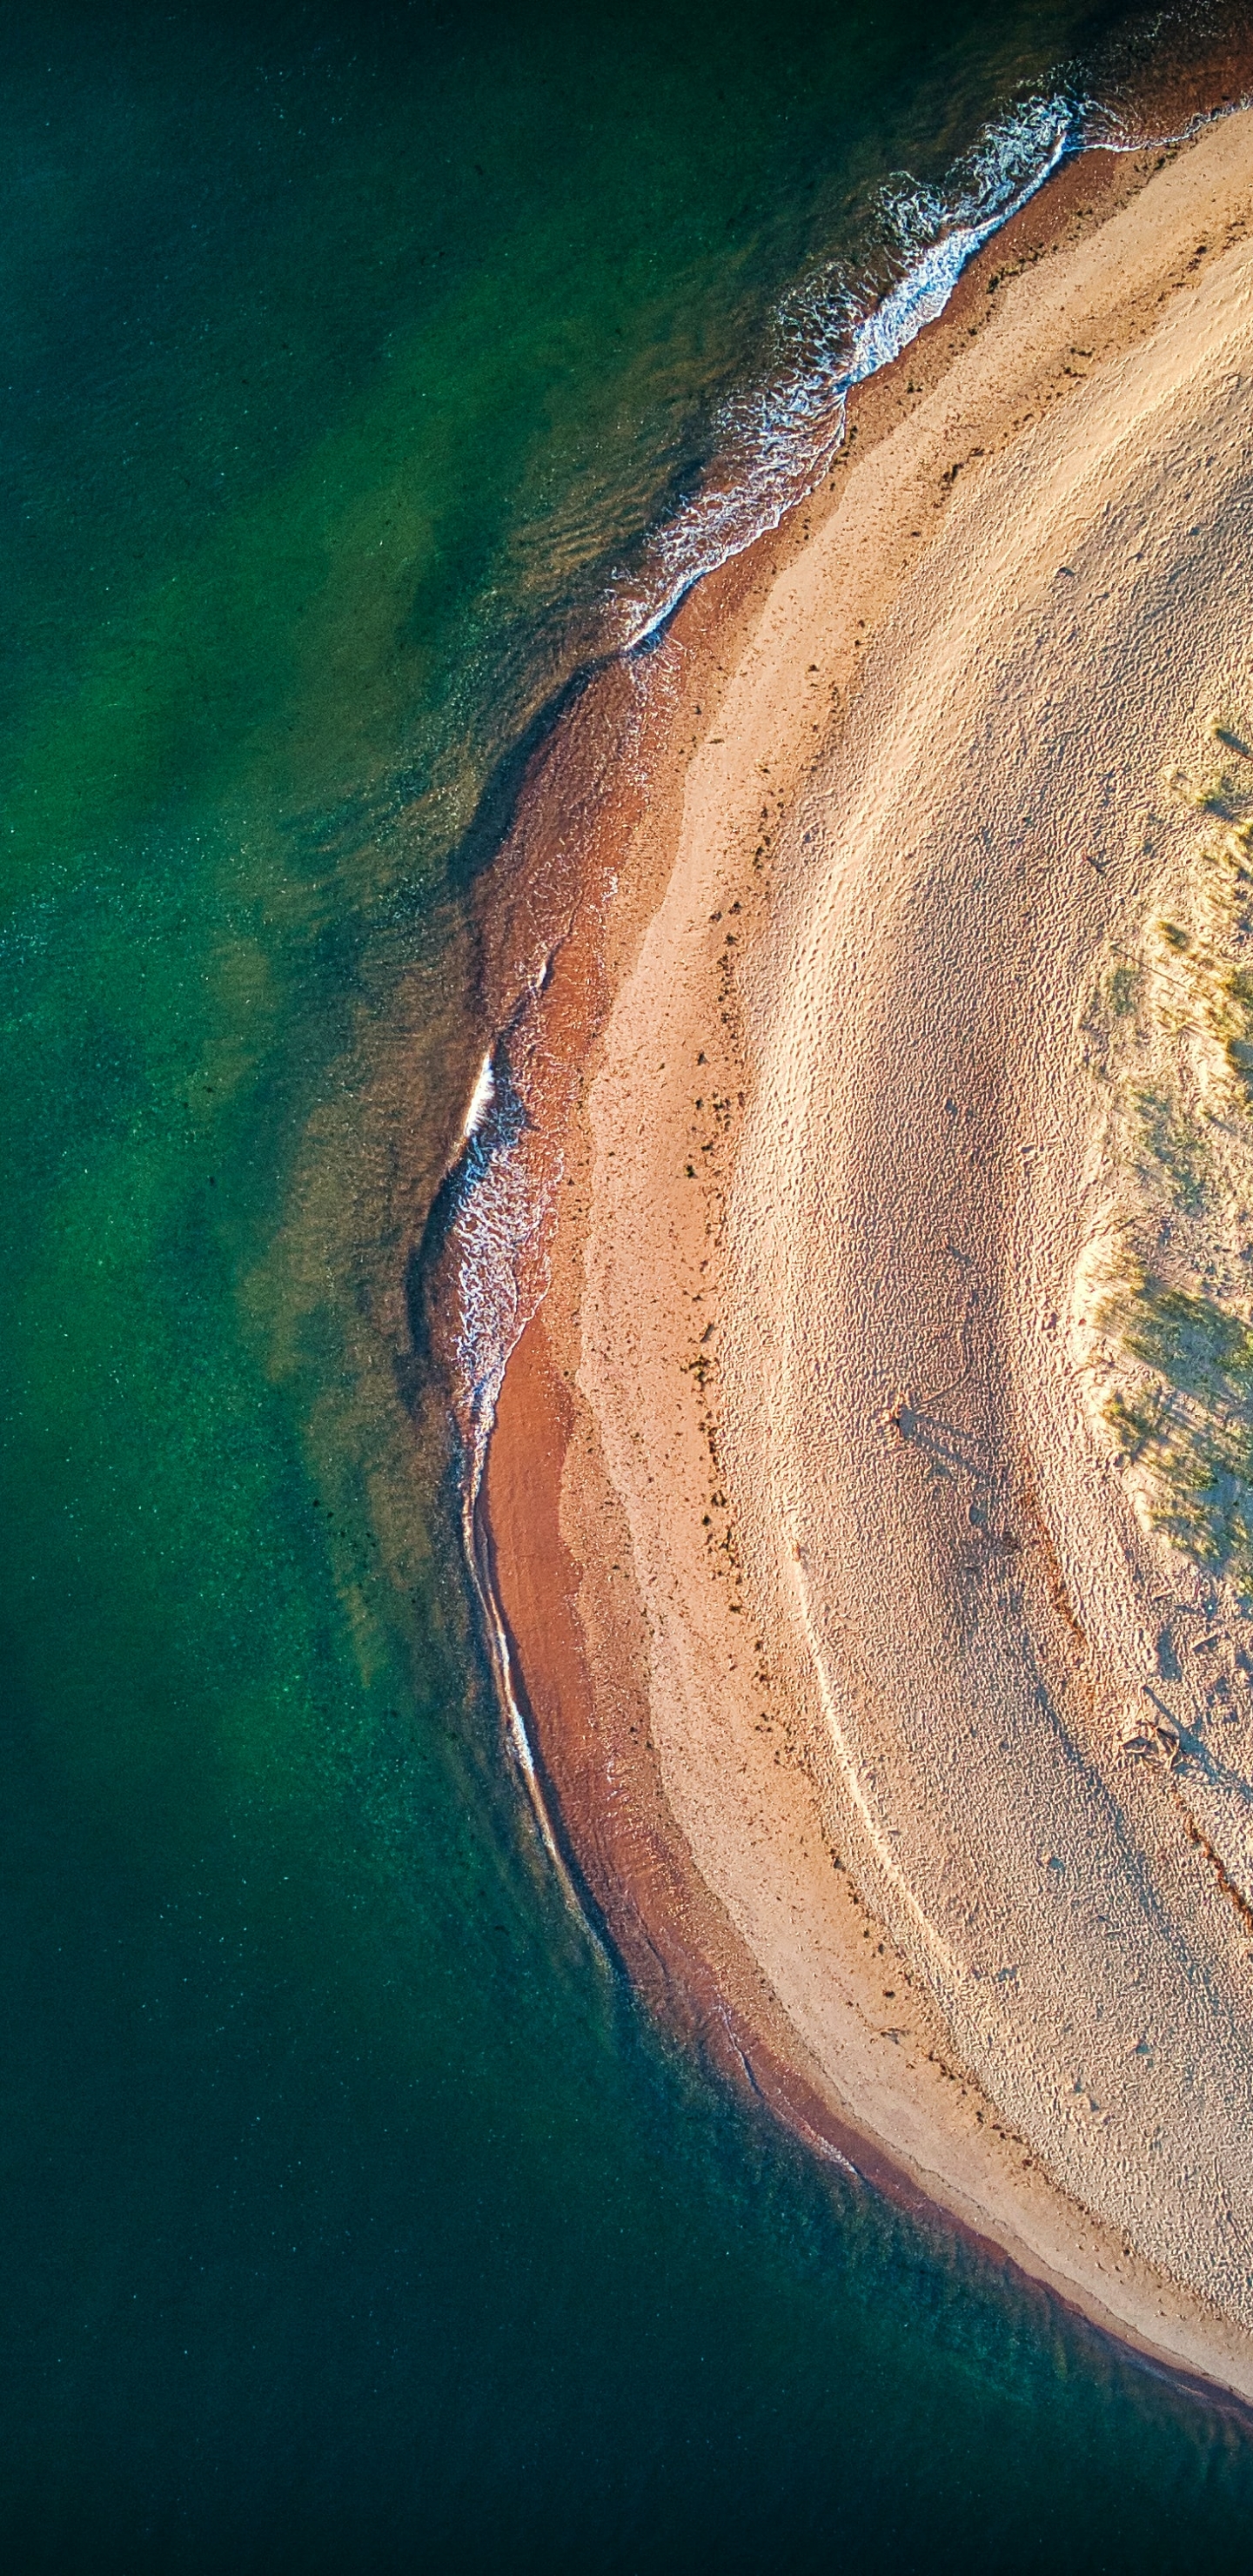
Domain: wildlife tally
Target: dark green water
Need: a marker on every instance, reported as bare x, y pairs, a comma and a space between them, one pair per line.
353, 2219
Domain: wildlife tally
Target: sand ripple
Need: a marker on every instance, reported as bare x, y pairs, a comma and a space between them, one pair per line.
956, 1728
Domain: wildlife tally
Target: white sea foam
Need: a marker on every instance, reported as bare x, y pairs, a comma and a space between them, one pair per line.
775, 443
481, 1099
499, 1275
773, 446
496, 1224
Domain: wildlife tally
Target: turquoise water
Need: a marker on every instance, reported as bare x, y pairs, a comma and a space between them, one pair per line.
353, 2217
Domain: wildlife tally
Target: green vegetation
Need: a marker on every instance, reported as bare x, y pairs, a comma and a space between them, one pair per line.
1172, 1139
1168, 1316
1189, 1421
1122, 989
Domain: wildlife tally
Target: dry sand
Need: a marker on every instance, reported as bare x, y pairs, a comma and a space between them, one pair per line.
829, 1594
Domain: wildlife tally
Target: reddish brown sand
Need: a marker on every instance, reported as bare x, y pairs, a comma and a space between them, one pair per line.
590, 1471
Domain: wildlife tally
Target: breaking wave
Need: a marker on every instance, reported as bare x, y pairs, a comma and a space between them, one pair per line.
772, 447
774, 444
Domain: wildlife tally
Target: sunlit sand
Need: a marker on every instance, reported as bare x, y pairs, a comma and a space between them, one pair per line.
908, 1319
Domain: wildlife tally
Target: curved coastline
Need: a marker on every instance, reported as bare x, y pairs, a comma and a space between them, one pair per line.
684, 1708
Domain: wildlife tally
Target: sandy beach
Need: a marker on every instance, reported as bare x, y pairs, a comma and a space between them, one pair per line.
900, 1733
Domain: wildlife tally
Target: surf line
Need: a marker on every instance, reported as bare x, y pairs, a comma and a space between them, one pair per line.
476, 1539
490, 1257
505, 1193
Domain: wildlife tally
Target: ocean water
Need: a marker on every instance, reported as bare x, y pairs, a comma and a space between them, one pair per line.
365, 370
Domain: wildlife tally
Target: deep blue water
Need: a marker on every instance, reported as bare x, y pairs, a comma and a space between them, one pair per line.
353, 2217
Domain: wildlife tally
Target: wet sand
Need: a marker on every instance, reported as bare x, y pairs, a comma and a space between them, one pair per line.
822, 1598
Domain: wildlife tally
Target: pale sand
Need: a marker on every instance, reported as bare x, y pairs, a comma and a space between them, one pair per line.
885, 1675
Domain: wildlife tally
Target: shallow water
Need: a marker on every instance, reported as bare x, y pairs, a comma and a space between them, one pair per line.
354, 2214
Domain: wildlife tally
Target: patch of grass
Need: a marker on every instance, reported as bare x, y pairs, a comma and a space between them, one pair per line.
1190, 1423
1169, 1134
1195, 1345
1122, 990
1173, 1321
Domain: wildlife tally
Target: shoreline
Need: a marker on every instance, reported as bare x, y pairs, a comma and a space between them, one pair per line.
566, 1556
